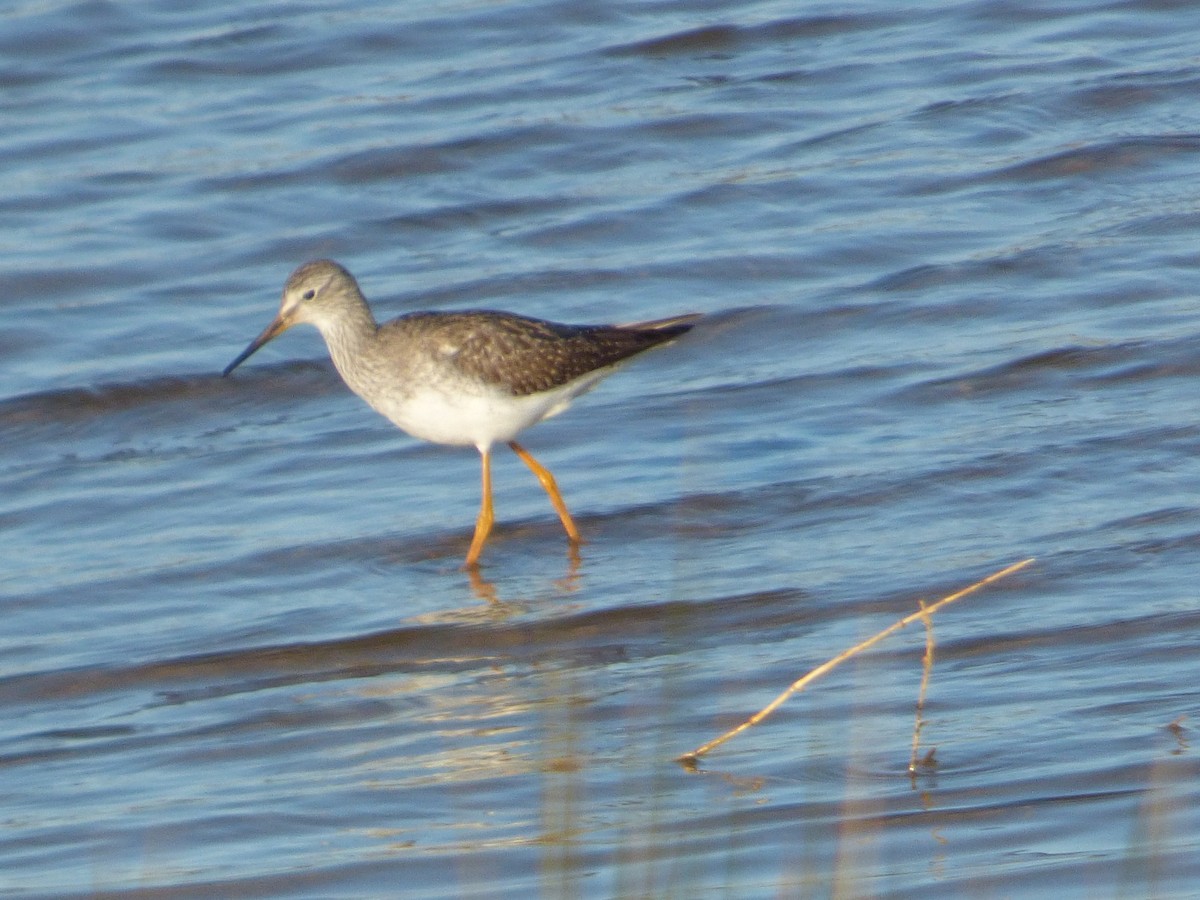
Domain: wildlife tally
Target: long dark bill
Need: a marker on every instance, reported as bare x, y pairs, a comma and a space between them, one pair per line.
278, 326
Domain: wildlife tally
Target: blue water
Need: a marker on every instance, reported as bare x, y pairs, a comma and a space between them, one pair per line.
948, 253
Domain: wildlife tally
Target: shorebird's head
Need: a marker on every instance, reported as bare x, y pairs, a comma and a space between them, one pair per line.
318, 292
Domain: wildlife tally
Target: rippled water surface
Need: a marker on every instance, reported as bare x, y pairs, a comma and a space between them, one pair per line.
949, 256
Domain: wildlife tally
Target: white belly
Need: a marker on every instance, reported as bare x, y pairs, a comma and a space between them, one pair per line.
475, 419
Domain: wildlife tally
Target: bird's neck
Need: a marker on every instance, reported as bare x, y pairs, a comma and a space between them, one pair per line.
348, 335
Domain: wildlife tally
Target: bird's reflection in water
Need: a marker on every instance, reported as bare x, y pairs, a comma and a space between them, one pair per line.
485, 589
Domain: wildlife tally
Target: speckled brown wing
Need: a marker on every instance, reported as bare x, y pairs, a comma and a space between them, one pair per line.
526, 356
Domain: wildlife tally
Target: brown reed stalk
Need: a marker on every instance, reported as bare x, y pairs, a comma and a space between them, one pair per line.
926, 670
689, 760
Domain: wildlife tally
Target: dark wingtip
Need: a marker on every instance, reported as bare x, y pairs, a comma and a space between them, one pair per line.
672, 326
676, 326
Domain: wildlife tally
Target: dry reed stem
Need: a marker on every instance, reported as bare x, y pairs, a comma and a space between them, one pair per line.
690, 759
926, 670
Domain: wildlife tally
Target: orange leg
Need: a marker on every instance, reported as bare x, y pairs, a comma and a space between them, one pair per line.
547, 482
483, 525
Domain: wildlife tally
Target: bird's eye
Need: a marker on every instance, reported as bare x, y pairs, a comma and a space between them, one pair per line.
309, 294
